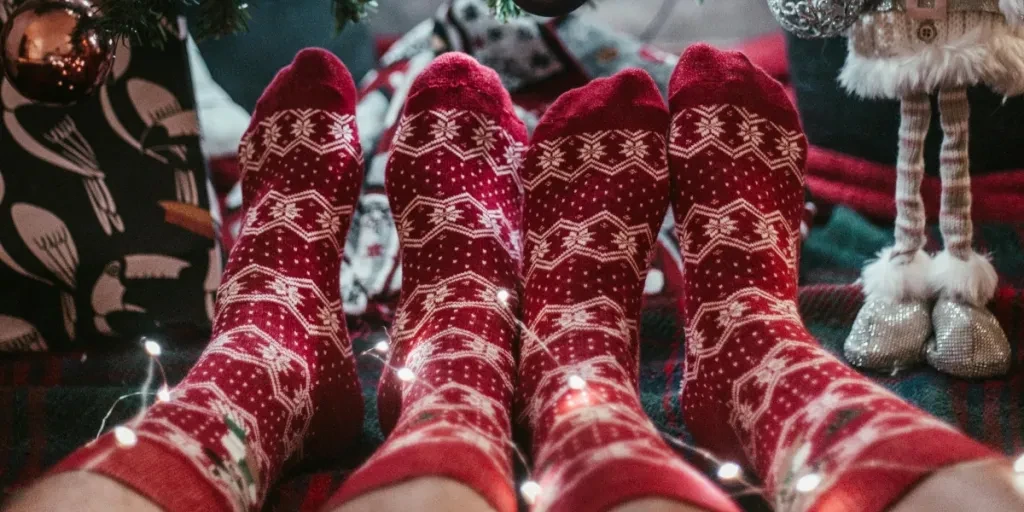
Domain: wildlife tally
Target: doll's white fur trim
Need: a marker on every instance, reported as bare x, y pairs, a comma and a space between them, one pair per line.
1014, 11
887, 279
973, 281
992, 53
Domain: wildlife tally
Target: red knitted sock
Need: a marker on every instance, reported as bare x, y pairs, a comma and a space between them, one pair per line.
278, 378
821, 436
597, 191
453, 184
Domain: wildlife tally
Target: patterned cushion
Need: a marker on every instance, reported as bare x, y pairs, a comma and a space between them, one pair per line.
105, 227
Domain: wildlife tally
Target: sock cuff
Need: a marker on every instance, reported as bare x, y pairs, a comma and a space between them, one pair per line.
168, 479
877, 489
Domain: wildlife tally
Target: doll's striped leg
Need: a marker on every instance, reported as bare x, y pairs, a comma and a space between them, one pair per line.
968, 340
894, 323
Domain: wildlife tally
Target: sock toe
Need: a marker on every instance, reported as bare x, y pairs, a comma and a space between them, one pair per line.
628, 100
314, 79
706, 74
457, 81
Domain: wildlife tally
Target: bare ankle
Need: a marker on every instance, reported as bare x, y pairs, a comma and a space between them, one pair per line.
655, 505
82, 492
428, 493
989, 485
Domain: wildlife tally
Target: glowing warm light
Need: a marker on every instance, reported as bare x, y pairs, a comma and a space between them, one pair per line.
728, 471
808, 483
406, 375
382, 346
152, 348
1018, 465
503, 296
125, 437
530, 490
164, 394
576, 382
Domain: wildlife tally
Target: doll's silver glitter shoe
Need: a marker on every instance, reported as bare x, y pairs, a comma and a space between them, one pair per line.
968, 341
888, 336
892, 327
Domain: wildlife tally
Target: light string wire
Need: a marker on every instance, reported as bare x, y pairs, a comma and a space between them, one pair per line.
728, 472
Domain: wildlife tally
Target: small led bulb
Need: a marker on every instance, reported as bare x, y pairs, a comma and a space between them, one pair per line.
1018, 465
576, 382
503, 296
382, 347
153, 348
163, 394
728, 471
406, 375
530, 490
808, 483
125, 437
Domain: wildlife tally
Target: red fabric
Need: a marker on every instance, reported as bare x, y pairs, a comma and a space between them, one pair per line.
597, 191
768, 52
756, 382
453, 185
279, 375
869, 188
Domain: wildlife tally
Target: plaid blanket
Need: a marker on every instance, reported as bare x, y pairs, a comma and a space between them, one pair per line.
56, 402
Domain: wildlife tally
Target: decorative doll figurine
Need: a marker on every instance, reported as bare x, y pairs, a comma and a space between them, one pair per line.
909, 50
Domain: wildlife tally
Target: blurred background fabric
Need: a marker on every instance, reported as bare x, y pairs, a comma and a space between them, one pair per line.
244, 64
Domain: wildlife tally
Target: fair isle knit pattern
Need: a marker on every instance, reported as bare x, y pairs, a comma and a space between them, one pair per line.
596, 191
453, 183
278, 378
755, 378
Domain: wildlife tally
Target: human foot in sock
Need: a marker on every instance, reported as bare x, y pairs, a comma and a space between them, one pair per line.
453, 184
278, 377
821, 436
597, 191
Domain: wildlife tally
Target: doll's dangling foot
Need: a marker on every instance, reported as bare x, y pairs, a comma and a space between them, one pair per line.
968, 340
893, 325
891, 329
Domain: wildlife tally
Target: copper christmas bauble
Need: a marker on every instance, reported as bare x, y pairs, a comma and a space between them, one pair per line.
46, 60
550, 8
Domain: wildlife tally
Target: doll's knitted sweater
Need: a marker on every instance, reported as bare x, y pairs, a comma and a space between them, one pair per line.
899, 47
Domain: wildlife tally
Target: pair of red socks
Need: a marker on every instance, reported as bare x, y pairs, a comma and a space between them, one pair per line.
522, 280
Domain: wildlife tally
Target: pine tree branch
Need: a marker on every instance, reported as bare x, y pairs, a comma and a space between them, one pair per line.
354, 11
221, 18
504, 10
140, 21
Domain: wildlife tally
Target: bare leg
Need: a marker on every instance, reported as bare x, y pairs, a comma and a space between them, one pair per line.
991, 486
81, 492
428, 493
89, 492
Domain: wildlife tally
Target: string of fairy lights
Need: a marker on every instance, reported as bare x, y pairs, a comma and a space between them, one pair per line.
728, 472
